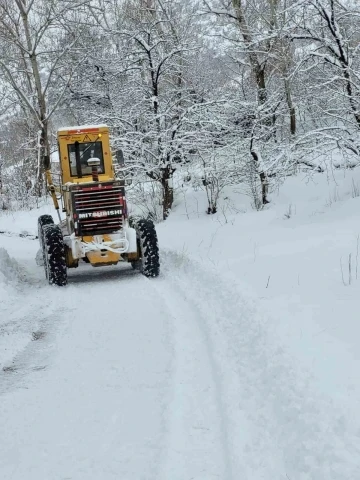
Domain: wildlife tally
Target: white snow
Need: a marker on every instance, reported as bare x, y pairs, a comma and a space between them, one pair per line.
82, 127
240, 361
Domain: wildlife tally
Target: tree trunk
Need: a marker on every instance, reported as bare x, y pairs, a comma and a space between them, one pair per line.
168, 190
263, 178
350, 93
44, 150
291, 107
259, 72
41, 117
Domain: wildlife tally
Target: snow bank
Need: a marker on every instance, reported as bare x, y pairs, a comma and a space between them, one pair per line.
24, 222
10, 271
278, 405
14, 334
298, 262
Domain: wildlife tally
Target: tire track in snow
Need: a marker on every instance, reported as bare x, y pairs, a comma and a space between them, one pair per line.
197, 443
31, 313
27, 336
96, 411
281, 426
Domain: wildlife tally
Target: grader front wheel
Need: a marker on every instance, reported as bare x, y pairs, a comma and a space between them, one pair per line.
54, 255
42, 221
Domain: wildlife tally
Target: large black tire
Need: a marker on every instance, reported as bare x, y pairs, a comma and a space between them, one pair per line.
54, 255
149, 262
42, 221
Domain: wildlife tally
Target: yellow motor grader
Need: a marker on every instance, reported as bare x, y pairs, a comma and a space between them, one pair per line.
96, 229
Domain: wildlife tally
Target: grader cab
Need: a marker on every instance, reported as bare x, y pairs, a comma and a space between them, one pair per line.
96, 228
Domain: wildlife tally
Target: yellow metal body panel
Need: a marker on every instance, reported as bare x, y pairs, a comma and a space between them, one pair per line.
84, 135
71, 262
133, 256
99, 258
52, 189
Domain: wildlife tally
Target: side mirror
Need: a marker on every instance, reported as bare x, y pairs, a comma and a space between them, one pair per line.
119, 157
46, 162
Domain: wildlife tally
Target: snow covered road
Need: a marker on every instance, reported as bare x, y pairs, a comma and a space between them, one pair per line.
95, 409
117, 386
119, 377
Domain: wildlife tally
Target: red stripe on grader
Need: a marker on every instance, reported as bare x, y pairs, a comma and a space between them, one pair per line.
96, 189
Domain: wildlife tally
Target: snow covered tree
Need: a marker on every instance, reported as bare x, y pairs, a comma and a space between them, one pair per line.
151, 49
34, 48
330, 31
262, 66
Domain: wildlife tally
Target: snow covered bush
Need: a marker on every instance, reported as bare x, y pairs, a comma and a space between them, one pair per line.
144, 197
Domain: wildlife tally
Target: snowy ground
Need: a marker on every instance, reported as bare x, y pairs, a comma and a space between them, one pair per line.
239, 362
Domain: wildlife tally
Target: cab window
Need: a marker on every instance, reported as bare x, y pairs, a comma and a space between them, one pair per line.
86, 151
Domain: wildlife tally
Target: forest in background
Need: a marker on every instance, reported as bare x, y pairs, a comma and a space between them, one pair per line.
204, 93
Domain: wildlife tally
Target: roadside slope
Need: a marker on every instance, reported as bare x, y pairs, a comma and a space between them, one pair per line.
279, 422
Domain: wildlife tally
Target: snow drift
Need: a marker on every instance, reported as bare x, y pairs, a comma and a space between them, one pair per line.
11, 273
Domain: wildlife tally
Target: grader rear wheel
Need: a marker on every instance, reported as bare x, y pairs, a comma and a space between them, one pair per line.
149, 262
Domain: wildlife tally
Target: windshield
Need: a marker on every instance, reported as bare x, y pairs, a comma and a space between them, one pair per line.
86, 151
